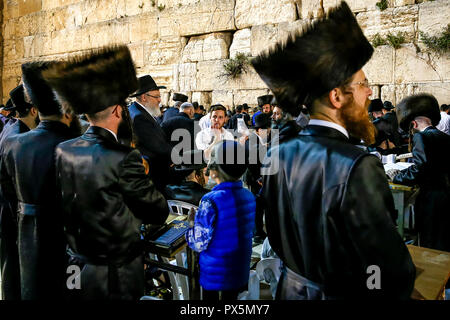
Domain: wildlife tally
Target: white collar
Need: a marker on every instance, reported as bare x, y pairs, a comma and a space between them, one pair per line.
112, 132
425, 128
329, 124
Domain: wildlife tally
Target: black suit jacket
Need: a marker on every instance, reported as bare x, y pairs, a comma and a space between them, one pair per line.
152, 143
106, 197
329, 217
28, 167
181, 121
431, 172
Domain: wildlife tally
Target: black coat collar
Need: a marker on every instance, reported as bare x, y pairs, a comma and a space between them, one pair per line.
322, 131
99, 132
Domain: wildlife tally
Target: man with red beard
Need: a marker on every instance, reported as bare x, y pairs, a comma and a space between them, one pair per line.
329, 214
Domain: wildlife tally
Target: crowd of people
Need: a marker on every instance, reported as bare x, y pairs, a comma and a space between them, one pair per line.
88, 155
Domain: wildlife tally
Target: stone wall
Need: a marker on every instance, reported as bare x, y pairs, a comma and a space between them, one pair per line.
183, 44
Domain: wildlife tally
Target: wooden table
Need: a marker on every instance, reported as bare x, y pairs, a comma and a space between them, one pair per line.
432, 272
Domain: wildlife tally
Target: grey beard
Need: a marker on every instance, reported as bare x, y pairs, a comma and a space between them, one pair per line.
155, 112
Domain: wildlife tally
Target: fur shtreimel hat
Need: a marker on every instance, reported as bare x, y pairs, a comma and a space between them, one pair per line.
39, 91
266, 99
317, 59
179, 97
94, 81
18, 99
414, 106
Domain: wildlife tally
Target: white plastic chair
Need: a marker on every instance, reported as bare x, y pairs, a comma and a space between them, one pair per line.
253, 288
180, 207
269, 270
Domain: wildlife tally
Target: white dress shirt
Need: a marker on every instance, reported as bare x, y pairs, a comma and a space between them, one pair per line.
329, 124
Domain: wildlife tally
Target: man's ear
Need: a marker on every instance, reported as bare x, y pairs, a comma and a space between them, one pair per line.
34, 111
116, 111
336, 97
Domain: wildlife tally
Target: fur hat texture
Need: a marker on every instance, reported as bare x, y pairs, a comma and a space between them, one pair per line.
413, 106
266, 99
94, 81
37, 89
320, 57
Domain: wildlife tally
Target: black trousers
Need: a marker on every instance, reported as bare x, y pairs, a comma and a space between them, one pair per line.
224, 295
9, 256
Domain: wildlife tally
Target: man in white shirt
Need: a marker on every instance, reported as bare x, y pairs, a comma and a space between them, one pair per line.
444, 124
209, 136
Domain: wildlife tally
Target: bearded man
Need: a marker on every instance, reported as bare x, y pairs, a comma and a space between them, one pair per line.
151, 139
329, 207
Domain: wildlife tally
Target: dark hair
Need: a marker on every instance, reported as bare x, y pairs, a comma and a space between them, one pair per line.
217, 107
444, 107
23, 113
239, 108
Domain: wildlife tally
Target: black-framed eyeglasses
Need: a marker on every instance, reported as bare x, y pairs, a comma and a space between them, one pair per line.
156, 97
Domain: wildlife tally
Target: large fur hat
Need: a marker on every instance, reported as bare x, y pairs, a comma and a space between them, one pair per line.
94, 81
266, 99
417, 105
314, 61
179, 97
37, 89
18, 99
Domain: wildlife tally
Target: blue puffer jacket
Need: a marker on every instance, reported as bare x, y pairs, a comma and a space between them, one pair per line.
225, 264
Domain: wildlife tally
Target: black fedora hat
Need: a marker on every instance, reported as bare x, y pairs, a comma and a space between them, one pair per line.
262, 121
375, 105
18, 99
146, 84
388, 105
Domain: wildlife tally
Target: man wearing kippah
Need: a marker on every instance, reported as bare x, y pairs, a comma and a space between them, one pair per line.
329, 210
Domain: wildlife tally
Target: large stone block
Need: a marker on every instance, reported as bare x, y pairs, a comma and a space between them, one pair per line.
185, 77
162, 74
434, 16
249, 97
144, 27
401, 3
162, 52
95, 11
395, 93
13, 50
51, 4
207, 47
441, 90
241, 42
257, 12
29, 6
8, 84
196, 18
223, 97
391, 20
10, 9
9, 29
66, 40
375, 92
138, 7
410, 67
379, 69
204, 98
266, 36
137, 53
